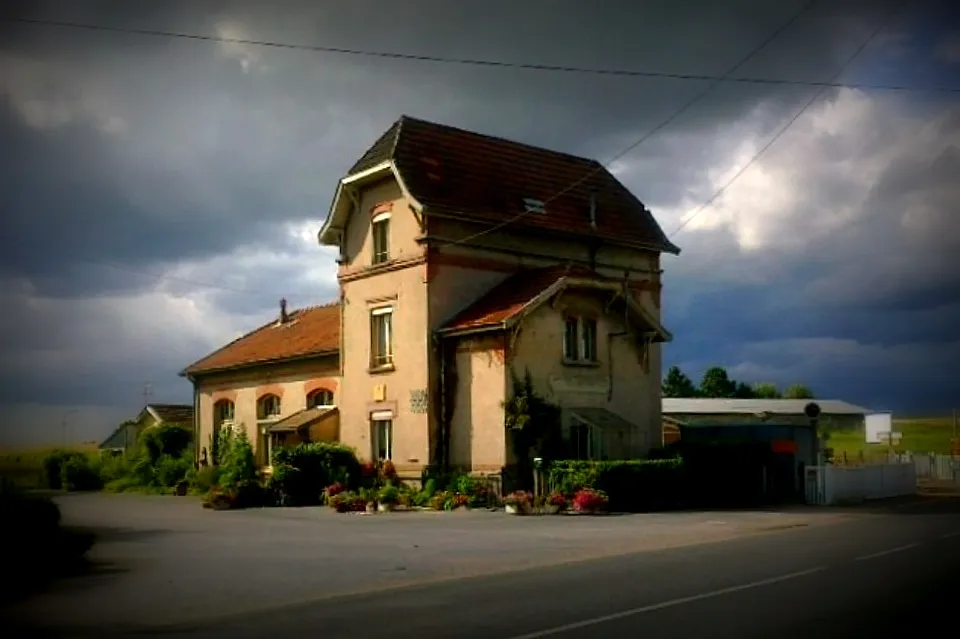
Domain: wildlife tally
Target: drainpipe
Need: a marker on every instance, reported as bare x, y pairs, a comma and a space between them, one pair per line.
196, 423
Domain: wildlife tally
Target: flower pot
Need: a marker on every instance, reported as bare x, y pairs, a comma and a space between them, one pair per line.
551, 509
386, 508
371, 507
514, 510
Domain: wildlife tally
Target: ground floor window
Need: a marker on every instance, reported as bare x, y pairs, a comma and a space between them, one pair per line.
585, 441
382, 439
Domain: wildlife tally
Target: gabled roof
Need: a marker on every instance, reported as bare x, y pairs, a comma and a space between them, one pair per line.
123, 436
470, 176
710, 406
172, 413
526, 290
308, 332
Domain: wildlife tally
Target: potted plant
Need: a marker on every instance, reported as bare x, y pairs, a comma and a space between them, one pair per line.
389, 497
518, 502
369, 496
555, 502
588, 500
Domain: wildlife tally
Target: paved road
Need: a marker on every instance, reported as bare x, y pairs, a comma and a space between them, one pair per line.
879, 576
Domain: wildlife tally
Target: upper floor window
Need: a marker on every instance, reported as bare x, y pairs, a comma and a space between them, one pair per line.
223, 411
320, 398
381, 337
580, 339
268, 407
380, 229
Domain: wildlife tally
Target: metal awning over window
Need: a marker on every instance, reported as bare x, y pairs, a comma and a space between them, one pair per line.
602, 419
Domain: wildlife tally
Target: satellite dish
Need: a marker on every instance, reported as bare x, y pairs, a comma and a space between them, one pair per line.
812, 410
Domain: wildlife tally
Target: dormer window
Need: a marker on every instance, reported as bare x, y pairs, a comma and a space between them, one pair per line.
380, 228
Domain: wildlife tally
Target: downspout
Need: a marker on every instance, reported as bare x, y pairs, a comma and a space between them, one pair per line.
612, 335
196, 423
438, 455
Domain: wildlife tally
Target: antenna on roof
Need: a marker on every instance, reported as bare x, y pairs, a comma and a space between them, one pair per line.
147, 393
283, 311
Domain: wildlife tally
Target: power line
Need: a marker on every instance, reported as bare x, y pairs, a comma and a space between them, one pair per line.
673, 116
477, 62
789, 123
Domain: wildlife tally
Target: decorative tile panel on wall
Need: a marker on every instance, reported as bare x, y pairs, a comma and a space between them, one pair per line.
418, 401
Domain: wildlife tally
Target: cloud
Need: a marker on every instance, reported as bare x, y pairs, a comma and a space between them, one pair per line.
949, 48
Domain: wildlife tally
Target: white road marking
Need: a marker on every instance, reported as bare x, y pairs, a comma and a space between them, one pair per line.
889, 551
665, 604
949, 535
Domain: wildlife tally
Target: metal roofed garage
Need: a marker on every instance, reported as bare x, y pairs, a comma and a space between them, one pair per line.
751, 451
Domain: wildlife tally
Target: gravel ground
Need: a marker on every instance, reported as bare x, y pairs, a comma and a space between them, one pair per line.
162, 560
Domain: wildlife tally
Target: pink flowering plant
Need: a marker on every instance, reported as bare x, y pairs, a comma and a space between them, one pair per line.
557, 499
518, 499
589, 500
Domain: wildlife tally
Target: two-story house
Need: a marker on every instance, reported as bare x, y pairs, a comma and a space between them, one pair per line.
467, 260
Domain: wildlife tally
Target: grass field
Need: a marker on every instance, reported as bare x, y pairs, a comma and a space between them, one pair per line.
24, 466
920, 435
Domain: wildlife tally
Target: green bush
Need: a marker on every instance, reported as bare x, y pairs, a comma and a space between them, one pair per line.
170, 471
237, 462
169, 440
114, 467
203, 480
79, 473
53, 466
631, 485
301, 473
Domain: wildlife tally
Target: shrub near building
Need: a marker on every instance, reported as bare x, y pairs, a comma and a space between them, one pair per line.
630, 485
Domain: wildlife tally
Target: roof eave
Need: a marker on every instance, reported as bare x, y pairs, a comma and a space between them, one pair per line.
202, 372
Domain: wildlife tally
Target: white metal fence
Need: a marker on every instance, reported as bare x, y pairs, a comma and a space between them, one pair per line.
829, 485
932, 465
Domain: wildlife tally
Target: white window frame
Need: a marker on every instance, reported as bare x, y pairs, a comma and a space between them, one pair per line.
378, 360
320, 391
378, 421
580, 339
265, 417
380, 218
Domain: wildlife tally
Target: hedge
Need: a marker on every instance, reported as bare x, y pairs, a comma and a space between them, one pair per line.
301, 473
631, 485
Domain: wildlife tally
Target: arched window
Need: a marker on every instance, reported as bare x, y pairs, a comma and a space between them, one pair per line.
268, 407
320, 398
223, 411
222, 418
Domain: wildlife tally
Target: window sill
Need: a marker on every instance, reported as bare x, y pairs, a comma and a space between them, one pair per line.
581, 363
382, 368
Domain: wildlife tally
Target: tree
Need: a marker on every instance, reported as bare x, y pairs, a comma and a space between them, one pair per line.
716, 383
798, 391
766, 390
743, 391
677, 384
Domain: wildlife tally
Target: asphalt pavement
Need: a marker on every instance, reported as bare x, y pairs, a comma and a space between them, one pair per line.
882, 575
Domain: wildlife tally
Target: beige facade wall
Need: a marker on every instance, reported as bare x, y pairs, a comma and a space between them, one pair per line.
477, 435
401, 285
291, 381
619, 382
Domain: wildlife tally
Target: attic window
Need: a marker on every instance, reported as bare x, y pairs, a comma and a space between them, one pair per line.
533, 205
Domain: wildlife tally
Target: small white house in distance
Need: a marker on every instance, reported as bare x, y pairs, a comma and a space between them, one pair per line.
878, 426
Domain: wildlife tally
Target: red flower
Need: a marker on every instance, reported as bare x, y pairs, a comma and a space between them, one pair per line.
369, 469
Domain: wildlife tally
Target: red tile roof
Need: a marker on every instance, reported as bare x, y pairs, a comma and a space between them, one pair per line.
513, 294
472, 176
313, 330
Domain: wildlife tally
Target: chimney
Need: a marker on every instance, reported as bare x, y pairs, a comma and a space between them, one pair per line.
283, 311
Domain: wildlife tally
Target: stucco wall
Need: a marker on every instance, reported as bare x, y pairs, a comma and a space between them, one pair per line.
291, 381
477, 435
401, 284
635, 394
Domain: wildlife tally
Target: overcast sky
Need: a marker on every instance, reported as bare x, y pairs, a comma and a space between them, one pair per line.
160, 195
